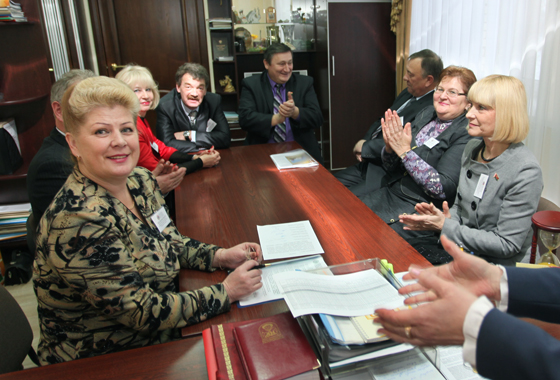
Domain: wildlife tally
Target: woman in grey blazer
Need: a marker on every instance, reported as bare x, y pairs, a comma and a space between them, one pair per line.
500, 181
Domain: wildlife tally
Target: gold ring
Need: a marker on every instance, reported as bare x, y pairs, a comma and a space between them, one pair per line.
407, 331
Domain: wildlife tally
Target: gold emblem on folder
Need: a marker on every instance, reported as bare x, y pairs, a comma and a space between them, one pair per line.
270, 332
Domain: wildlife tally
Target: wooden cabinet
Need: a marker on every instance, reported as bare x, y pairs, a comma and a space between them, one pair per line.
25, 84
361, 75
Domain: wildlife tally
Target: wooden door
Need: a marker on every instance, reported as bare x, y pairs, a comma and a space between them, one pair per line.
160, 35
362, 73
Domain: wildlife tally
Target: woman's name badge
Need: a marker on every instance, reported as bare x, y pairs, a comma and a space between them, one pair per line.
155, 147
482, 181
161, 219
431, 142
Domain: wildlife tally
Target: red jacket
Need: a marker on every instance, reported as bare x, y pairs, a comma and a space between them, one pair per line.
149, 155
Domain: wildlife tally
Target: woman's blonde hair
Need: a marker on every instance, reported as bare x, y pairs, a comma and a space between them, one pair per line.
506, 95
83, 97
133, 74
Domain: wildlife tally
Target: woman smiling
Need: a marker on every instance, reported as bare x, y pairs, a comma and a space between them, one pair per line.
421, 162
107, 252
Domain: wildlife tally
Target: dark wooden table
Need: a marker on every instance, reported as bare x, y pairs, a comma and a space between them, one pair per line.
224, 205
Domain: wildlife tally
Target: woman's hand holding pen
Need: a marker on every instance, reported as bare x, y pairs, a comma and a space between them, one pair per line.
235, 256
242, 281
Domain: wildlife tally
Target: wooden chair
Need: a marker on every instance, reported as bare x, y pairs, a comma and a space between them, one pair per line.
16, 335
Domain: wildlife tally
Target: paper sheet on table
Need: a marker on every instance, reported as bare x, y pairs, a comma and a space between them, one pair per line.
410, 365
269, 290
453, 367
285, 240
347, 295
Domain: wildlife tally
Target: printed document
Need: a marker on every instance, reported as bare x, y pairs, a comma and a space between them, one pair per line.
347, 295
269, 290
285, 240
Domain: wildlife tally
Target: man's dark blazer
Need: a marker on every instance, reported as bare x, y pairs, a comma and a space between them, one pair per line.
256, 109
368, 175
509, 348
48, 171
371, 150
172, 118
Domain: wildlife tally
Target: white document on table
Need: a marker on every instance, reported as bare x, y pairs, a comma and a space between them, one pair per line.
285, 240
348, 295
270, 290
452, 366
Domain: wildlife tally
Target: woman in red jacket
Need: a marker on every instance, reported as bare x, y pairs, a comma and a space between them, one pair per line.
140, 80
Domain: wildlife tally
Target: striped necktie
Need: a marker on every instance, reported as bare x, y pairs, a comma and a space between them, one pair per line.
279, 129
192, 117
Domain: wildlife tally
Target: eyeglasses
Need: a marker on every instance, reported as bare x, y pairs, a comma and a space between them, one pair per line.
450, 93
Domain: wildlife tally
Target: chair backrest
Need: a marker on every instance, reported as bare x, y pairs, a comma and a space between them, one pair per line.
16, 335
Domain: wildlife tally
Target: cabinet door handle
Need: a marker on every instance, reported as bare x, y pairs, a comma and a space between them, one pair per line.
332, 65
115, 67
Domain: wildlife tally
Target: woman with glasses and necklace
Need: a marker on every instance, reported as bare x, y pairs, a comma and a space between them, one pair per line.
500, 183
422, 161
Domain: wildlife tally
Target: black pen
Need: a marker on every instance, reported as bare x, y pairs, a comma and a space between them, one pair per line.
260, 266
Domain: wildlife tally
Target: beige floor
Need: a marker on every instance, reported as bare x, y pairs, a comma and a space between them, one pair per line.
25, 296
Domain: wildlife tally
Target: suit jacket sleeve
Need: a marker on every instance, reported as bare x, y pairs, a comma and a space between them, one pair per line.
509, 348
253, 115
310, 114
220, 136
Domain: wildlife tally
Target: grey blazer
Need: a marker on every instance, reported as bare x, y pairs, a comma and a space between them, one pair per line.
498, 226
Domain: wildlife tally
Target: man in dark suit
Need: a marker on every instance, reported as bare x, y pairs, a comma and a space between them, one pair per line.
190, 119
52, 164
278, 106
422, 75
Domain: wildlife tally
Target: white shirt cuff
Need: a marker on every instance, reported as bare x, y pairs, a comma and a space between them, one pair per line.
471, 327
502, 304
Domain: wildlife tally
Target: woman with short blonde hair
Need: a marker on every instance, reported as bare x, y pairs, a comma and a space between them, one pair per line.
108, 254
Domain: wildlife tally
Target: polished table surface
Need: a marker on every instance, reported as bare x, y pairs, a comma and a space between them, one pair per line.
224, 205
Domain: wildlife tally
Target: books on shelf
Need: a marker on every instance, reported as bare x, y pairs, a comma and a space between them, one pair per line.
298, 158
11, 11
12, 221
259, 349
232, 117
219, 23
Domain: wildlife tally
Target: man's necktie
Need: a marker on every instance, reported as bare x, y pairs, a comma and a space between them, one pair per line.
279, 129
378, 130
192, 117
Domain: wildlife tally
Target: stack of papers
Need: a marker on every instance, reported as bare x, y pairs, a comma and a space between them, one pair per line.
12, 221
298, 158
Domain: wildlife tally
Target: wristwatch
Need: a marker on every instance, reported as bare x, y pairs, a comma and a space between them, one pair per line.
186, 134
